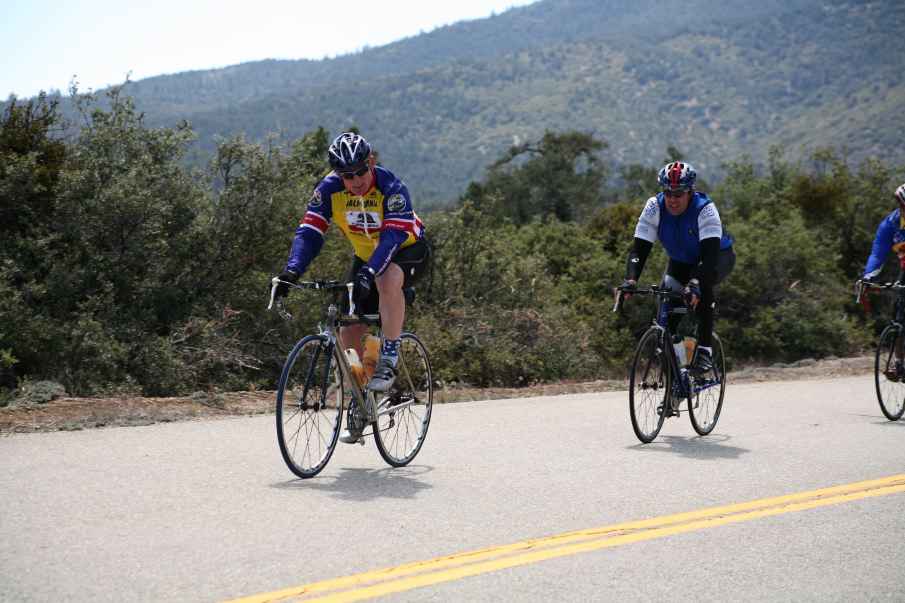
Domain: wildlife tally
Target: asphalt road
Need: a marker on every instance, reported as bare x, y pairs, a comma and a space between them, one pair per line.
207, 511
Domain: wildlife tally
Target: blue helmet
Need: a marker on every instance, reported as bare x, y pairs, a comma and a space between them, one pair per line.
348, 152
677, 177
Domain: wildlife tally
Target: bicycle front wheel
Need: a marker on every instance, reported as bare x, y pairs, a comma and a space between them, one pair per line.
707, 392
309, 406
404, 413
648, 386
890, 373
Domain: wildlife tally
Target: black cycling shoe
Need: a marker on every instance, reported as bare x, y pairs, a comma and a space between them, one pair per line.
672, 406
702, 364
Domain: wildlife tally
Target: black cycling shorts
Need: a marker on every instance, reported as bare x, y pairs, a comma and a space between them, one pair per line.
413, 260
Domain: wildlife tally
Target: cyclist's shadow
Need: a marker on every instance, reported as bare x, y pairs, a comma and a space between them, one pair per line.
696, 447
365, 484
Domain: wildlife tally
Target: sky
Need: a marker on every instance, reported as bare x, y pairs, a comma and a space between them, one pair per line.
45, 44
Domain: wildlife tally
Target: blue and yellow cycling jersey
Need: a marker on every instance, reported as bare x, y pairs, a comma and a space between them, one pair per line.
377, 224
890, 237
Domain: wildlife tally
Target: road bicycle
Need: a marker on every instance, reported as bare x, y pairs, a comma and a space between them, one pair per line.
659, 382
889, 368
318, 383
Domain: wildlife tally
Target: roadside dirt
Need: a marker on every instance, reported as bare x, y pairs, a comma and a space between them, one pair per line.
67, 414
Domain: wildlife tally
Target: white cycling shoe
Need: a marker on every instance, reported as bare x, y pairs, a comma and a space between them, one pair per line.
384, 376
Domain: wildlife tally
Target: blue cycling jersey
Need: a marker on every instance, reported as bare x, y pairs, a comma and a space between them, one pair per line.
681, 235
890, 237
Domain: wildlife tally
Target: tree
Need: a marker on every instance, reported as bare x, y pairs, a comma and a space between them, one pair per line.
32, 156
560, 175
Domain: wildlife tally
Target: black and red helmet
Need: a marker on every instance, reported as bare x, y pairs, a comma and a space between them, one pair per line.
677, 177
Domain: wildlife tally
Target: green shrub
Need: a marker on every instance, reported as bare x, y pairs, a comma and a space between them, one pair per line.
38, 392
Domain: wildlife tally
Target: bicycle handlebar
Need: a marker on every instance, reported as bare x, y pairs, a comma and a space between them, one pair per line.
653, 291
872, 286
862, 287
320, 285
621, 290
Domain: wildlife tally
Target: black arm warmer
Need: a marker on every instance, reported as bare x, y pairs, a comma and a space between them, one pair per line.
637, 257
705, 271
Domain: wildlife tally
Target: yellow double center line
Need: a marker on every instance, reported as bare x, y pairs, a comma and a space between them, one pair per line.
389, 580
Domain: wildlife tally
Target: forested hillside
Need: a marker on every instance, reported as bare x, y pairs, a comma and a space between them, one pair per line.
139, 227
124, 272
722, 80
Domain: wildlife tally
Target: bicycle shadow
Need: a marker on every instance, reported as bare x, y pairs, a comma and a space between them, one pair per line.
880, 420
360, 484
900, 423
710, 447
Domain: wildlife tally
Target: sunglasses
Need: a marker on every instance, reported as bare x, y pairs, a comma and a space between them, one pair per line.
668, 193
355, 173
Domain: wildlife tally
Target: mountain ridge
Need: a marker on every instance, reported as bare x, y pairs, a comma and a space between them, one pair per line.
718, 80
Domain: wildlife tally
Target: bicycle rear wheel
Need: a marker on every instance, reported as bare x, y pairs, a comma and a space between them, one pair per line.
309, 406
707, 392
889, 373
404, 413
648, 386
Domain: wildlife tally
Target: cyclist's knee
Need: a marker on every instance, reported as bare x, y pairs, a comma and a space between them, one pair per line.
672, 283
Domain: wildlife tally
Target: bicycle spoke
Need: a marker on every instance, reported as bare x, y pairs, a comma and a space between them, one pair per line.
307, 430
648, 387
404, 414
890, 373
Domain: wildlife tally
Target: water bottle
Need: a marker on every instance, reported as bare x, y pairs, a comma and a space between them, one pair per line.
371, 355
357, 369
690, 344
679, 344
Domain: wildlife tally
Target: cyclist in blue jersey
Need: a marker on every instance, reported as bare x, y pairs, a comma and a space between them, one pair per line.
688, 225
373, 209
890, 237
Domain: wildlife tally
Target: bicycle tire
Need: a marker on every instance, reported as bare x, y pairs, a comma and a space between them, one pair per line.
889, 375
706, 399
404, 412
649, 384
309, 406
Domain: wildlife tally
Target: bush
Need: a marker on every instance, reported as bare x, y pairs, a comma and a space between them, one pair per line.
38, 392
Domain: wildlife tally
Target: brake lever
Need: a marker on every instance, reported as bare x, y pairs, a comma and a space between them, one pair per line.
273, 291
620, 294
284, 314
350, 286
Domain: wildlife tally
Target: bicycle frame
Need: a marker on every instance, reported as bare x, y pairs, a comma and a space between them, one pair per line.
863, 287
660, 322
659, 384
889, 366
680, 374
324, 390
363, 397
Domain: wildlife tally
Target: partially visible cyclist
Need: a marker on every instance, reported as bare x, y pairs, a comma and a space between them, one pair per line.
890, 237
373, 209
688, 225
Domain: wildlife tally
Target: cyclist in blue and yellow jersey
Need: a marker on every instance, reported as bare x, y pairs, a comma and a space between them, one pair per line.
373, 209
700, 251
890, 237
